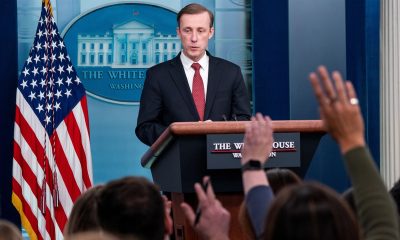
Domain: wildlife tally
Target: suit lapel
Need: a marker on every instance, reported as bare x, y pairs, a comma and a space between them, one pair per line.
179, 77
213, 83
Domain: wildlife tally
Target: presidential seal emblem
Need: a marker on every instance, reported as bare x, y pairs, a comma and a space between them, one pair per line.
112, 47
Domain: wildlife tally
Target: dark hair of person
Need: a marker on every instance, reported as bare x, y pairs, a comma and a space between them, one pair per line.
279, 178
310, 211
8, 231
194, 8
395, 192
348, 197
132, 206
83, 216
245, 222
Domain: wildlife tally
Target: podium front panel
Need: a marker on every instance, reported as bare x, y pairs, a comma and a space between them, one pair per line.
184, 162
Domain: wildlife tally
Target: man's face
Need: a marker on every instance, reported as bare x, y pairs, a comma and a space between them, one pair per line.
194, 32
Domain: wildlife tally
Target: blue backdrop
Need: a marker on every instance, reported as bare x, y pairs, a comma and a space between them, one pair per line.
291, 38
9, 78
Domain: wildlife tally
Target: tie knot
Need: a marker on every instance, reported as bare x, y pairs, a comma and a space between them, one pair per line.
196, 66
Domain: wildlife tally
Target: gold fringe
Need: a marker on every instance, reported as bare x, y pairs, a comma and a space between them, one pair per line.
25, 222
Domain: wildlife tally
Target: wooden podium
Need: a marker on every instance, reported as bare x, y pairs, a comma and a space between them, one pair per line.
178, 160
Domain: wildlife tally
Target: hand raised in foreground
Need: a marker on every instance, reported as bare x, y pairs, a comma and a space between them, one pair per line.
339, 108
214, 220
258, 139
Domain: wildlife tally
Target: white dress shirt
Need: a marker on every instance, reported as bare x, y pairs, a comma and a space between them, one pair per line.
189, 71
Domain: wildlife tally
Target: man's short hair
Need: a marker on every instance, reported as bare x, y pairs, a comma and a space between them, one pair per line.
132, 206
194, 8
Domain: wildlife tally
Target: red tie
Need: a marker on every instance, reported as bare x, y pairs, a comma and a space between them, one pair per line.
198, 91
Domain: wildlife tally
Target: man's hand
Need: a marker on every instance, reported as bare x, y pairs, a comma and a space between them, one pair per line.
214, 219
339, 108
169, 226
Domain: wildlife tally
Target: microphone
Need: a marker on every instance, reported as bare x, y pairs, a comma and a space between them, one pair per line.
234, 117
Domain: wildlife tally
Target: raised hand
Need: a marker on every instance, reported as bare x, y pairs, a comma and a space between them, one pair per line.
258, 139
339, 108
213, 223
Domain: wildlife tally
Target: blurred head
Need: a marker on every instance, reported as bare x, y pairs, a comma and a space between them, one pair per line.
281, 177
83, 215
97, 235
395, 192
9, 231
310, 211
195, 28
133, 206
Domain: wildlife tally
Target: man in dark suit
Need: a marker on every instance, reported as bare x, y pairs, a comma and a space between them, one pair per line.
194, 86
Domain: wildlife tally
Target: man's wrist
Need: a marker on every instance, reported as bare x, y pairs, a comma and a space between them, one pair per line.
252, 165
245, 159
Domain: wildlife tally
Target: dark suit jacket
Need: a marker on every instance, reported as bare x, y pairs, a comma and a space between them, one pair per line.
166, 97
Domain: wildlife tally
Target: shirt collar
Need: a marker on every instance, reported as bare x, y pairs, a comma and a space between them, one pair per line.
187, 62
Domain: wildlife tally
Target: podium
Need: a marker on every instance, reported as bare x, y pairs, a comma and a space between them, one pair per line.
178, 160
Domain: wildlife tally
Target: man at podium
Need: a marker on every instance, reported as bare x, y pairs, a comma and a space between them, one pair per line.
193, 86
